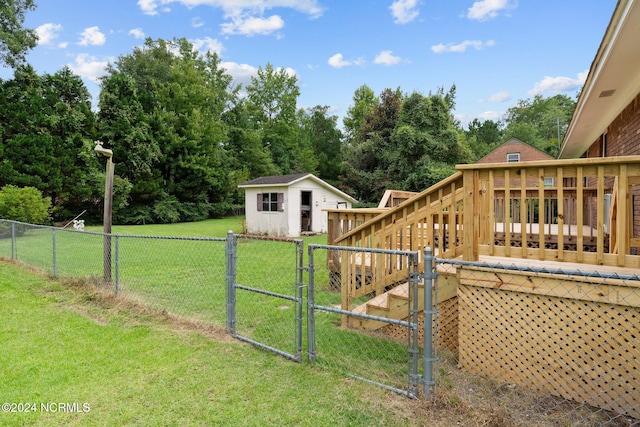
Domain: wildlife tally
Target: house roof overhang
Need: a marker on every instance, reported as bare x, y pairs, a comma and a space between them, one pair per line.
612, 83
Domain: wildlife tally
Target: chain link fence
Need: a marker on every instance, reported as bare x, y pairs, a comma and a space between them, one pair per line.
355, 325
181, 276
552, 347
265, 293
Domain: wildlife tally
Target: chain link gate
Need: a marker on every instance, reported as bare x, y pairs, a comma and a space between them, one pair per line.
364, 310
264, 293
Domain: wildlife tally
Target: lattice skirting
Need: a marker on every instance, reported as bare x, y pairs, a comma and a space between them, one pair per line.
447, 324
580, 350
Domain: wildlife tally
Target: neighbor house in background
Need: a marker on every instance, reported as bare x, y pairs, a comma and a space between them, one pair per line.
290, 205
514, 150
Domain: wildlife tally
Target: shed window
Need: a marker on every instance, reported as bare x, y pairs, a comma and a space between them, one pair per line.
270, 202
513, 157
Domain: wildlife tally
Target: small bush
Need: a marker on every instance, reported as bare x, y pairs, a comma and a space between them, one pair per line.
24, 204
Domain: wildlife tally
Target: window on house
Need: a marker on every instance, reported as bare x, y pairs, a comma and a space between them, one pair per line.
549, 182
270, 202
513, 157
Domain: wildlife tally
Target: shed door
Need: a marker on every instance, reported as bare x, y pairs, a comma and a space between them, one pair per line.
306, 201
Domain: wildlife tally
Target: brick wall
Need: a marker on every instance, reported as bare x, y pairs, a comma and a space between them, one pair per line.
527, 153
623, 139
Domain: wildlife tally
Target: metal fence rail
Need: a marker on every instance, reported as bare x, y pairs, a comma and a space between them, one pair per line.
556, 347
371, 340
265, 293
182, 276
554, 344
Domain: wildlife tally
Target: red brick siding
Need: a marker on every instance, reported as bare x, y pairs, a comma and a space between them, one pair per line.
527, 153
623, 139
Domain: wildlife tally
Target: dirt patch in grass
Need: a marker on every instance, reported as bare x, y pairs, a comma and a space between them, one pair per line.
460, 399
95, 300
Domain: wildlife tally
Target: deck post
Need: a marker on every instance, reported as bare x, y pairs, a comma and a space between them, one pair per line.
471, 215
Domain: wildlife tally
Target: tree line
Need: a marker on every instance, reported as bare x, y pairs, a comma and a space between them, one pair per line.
184, 136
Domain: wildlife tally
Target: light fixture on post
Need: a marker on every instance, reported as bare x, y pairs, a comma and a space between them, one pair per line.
108, 198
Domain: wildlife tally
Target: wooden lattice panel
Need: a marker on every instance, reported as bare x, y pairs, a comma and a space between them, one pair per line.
581, 350
447, 324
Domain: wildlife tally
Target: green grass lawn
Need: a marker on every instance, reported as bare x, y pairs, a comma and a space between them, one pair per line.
157, 353
188, 278
69, 344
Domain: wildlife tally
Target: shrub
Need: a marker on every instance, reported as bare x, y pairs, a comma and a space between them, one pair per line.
24, 204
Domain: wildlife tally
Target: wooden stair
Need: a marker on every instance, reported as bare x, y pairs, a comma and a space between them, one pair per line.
394, 304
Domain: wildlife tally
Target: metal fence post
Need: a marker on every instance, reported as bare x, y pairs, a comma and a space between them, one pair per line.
299, 278
117, 285
231, 281
53, 240
428, 353
311, 333
13, 241
414, 309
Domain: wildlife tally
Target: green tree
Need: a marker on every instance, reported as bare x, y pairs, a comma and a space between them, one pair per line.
325, 139
271, 102
48, 126
482, 137
164, 107
426, 146
15, 40
540, 121
364, 101
366, 170
24, 204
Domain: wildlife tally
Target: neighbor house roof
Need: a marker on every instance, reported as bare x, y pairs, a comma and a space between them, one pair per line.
287, 180
612, 83
531, 153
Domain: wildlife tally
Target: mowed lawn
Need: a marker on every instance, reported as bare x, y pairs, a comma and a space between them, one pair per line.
66, 346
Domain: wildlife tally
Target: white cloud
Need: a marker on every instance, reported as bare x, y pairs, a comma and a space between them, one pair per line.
89, 67
245, 17
236, 7
488, 9
559, 84
404, 11
148, 7
462, 47
338, 61
490, 115
47, 33
137, 33
241, 74
465, 119
92, 37
252, 25
197, 22
209, 45
499, 97
386, 57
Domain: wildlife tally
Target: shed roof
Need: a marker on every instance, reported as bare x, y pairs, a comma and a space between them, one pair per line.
287, 180
275, 180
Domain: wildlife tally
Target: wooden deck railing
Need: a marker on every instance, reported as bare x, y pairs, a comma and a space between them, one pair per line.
582, 211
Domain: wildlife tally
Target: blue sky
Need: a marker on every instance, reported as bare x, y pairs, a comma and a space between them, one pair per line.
496, 52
